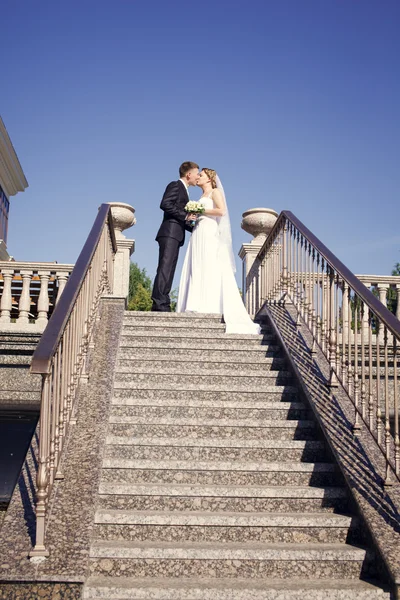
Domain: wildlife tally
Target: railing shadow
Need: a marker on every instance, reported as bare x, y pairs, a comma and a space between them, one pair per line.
361, 473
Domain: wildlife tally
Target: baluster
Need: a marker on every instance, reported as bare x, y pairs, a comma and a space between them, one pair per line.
323, 307
396, 410
364, 313
356, 426
370, 374
302, 276
297, 280
285, 284
42, 480
388, 482
378, 384
349, 346
62, 279
314, 308
382, 289
345, 325
43, 300
398, 300
333, 382
338, 289
6, 298
318, 283
25, 299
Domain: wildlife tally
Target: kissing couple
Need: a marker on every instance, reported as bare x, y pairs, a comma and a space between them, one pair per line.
208, 283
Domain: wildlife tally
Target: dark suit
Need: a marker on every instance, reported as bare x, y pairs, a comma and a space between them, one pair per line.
170, 237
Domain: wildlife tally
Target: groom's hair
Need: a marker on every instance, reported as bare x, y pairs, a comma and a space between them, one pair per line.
186, 167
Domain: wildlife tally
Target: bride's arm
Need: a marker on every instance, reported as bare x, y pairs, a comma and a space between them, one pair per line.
219, 203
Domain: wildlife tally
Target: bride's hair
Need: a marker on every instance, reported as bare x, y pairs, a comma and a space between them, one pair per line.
212, 175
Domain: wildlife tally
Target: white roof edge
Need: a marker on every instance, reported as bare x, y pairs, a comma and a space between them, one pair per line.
12, 178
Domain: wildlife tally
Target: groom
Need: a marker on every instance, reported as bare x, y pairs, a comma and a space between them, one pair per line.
171, 235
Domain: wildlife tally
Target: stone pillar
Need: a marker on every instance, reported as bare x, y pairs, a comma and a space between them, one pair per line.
123, 218
258, 222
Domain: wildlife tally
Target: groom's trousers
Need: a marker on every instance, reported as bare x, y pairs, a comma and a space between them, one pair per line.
168, 257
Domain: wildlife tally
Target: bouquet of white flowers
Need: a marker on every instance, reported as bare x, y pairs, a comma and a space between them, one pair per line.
195, 208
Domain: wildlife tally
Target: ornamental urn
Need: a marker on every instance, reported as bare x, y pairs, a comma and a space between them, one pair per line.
259, 222
123, 217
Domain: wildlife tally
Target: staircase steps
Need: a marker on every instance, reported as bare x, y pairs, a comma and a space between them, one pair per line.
125, 588
215, 480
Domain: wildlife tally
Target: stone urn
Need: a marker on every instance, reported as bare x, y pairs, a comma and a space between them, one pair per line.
123, 217
259, 222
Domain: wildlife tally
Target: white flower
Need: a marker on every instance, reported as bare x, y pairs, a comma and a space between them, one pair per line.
195, 207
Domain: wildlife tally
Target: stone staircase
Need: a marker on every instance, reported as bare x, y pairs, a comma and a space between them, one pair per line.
216, 483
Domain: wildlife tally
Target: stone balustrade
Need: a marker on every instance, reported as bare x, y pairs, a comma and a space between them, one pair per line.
28, 293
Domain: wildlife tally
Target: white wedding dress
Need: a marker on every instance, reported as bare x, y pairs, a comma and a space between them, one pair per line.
208, 283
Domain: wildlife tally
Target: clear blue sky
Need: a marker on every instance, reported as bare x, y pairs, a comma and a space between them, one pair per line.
295, 103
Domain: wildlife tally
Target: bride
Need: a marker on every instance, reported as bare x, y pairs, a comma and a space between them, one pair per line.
208, 283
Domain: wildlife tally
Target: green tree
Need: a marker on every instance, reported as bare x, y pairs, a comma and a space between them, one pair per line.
139, 289
141, 300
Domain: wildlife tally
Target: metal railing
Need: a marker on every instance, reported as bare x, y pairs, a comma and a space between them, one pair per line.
358, 335
60, 357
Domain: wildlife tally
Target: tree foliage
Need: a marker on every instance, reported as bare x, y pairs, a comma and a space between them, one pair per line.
139, 289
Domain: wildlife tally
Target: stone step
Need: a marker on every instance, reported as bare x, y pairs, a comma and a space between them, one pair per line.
218, 342
214, 473
126, 588
19, 378
216, 559
170, 365
270, 430
220, 498
197, 526
225, 355
243, 424
284, 410
271, 393
30, 395
226, 403
211, 381
191, 449
15, 360
206, 330
137, 315
267, 343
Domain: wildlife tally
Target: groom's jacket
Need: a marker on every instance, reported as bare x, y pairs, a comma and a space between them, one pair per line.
173, 204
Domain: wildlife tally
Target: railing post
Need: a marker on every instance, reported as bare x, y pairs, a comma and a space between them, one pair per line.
123, 217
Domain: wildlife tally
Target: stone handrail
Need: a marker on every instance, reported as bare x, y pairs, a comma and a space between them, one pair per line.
29, 292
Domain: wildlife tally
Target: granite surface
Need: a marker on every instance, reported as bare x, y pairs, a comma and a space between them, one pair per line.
71, 517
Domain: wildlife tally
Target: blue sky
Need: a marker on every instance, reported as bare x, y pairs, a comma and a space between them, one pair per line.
295, 103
